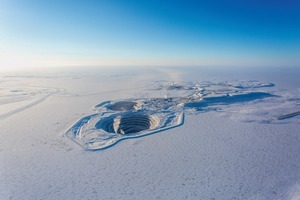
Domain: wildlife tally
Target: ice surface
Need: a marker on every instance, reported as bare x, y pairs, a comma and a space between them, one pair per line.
15, 97
231, 147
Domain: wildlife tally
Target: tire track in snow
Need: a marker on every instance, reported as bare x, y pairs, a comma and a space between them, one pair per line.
22, 108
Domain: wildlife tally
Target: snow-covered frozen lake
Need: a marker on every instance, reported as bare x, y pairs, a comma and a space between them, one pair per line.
155, 133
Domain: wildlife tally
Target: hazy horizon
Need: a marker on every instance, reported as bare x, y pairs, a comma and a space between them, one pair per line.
149, 33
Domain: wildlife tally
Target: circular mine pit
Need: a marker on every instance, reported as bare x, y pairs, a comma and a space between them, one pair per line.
128, 123
122, 106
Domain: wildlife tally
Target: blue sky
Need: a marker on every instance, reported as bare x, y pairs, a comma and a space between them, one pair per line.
142, 32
